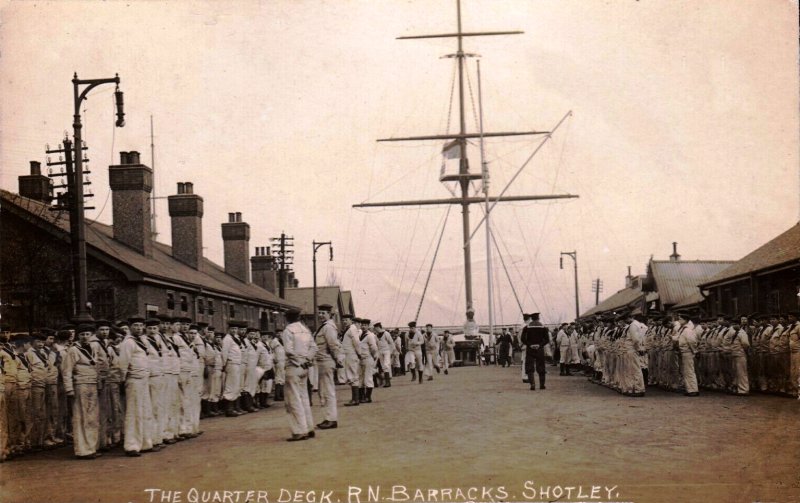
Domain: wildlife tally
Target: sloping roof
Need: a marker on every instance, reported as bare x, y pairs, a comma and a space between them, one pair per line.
347, 303
693, 299
784, 249
161, 266
304, 297
676, 280
622, 298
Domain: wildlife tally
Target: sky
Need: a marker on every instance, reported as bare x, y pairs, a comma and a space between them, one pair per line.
683, 128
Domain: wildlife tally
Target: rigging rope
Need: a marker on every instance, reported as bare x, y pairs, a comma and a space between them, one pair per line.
435, 253
502, 261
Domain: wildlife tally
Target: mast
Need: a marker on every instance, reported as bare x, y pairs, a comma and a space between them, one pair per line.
485, 173
464, 176
464, 165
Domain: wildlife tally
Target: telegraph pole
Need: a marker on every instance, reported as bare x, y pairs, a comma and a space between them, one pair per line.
284, 259
597, 287
317, 246
574, 256
65, 202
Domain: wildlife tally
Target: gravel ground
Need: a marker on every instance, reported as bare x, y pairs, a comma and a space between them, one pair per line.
477, 434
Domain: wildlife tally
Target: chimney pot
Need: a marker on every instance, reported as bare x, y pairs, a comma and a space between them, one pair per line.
180, 188
189, 186
131, 184
236, 241
36, 168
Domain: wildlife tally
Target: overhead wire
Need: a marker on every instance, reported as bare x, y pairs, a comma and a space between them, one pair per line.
113, 139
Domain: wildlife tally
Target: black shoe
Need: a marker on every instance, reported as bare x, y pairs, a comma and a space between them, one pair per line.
692, 394
351, 403
328, 425
533, 388
132, 454
93, 455
295, 438
311, 434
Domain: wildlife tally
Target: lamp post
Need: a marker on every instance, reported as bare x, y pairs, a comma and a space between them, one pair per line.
78, 237
574, 256
317, 246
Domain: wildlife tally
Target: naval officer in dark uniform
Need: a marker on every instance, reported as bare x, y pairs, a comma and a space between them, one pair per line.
534, 337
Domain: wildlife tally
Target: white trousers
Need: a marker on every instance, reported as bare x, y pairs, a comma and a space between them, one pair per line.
367, 369
297, 408
158, 401
172, 406
138, 415
232, 381
186, 387
85, 419
327, 391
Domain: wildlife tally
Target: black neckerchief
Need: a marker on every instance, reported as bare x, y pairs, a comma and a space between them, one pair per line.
58, 354
155, 345
193, 346
86, 352
24, 361
44, 359
7, 349
139, 343
174, 346
363, 334
238, 341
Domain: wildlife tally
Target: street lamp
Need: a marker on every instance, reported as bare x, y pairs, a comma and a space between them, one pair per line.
317, 246
78, 230
574, 256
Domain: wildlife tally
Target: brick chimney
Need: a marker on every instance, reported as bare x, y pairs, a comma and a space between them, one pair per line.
674, 257
265, 273
186, 213
236, 240
131, 183
36, 185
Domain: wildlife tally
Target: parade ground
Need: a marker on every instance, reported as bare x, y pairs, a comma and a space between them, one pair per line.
478, 434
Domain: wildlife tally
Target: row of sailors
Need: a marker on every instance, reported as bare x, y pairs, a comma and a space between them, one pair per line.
145, 384
363, 356
761, 353
139, 383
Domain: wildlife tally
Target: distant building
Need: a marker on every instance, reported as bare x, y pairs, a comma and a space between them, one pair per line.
766, 280
668, 285
129, 273
342, 302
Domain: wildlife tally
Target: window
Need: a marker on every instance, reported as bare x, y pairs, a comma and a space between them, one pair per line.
773, 301
232, 312
184, 303
210, 307
151, 310
170, 301
201, 306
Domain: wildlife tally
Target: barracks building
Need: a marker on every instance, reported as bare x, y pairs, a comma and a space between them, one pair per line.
129, 273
